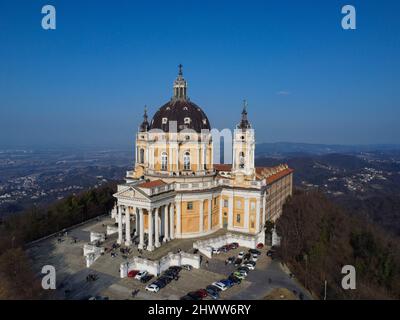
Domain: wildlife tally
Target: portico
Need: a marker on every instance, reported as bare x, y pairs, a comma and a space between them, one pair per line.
153, 218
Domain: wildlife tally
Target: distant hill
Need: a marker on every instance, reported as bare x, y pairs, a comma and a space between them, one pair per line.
284, 148
366, 183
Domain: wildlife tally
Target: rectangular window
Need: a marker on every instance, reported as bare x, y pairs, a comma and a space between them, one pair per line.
238, 218
225, 203
190, 205
253, 206
239, 204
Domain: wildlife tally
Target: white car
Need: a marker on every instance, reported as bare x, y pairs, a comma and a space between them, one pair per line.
216, 251
220, 285
248, 265
141, 274
254, 257
152, 288
240, 255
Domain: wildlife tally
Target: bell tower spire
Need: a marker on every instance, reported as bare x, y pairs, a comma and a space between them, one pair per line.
244, 122
180, 86
145, 124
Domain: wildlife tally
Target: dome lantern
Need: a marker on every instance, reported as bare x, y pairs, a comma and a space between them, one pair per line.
180, 86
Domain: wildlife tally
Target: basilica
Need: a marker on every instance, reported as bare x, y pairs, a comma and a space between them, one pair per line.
175, 189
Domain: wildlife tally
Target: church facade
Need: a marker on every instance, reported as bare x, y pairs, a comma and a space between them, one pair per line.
176, 191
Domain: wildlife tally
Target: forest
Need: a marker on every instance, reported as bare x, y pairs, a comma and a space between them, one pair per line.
319, 238
35, 223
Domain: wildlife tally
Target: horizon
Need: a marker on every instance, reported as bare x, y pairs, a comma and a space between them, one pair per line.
86, 83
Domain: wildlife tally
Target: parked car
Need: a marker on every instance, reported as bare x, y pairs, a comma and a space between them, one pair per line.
146, 278
231, 260
238, 262
141, 274
235, 245
212, 293
247, 256
244, 268
202, 293
212, 287
220, 285
270, 253
187, 267
195, 295
224, 249
165, 279
249, 264
160, 283
132, 273
239, 275
216, 251
260, 246
235, 279
175, 268
228, 283
152, 288
254, 257
240, 255
254, 251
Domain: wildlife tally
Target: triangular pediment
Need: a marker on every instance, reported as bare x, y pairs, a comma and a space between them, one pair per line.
131, 193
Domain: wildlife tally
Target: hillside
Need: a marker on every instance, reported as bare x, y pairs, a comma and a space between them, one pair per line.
319, 238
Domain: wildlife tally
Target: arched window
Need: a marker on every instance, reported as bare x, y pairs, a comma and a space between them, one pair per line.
164, 161
241, 160
141, 156
186, 161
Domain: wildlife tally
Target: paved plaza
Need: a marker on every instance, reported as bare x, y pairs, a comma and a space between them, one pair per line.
67, 257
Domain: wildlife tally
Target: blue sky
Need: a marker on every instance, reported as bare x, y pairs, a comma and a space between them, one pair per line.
305, 78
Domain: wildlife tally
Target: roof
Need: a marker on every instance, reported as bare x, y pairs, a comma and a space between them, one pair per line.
223, 167
151, 184
272, 174
178, 110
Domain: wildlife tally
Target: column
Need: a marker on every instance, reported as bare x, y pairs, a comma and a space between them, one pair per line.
150, 246
178, 219
209, 213
171, 221
246, 214
128, 241
136, 222
141, 229
166, 233
258, 209
119, 241
201, 230
221, 206
157, 227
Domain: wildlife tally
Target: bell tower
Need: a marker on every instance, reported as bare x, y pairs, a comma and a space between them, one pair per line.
243, 146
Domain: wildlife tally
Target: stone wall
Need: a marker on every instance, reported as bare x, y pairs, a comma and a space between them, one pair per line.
247, 241
157, 267
91, 253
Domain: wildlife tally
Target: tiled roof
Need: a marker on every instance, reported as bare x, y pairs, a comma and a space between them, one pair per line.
275, 177
272, 174
223, 167
152, 184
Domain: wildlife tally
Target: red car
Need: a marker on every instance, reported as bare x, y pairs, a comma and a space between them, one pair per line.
132, 273
260, 246
202, 293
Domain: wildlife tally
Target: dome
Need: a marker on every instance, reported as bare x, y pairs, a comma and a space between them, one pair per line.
181, 110
186, 114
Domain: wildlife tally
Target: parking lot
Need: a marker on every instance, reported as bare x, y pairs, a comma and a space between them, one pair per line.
67, 258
